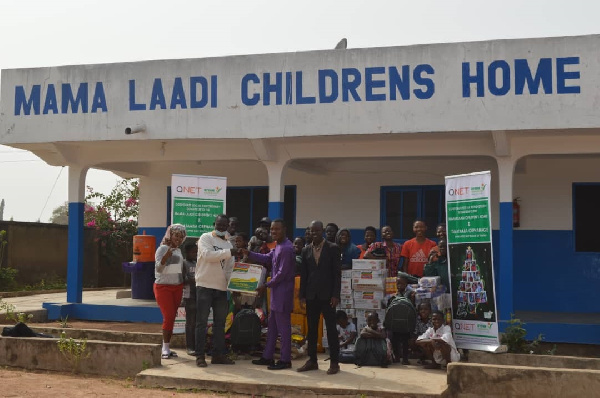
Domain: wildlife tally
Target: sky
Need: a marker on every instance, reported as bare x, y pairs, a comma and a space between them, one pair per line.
40, 33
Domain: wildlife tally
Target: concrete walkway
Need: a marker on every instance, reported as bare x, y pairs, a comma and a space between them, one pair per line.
245, 378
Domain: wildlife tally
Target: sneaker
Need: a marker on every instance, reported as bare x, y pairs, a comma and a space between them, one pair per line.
263, 361
201, 362
191, 353
221, 360
280, 365
309, 365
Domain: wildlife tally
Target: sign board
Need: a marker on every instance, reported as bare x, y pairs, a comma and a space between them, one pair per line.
196, 201
469, 226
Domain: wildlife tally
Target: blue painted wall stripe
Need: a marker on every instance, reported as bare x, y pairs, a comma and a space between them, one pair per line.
275, 210
75, 253
504, 290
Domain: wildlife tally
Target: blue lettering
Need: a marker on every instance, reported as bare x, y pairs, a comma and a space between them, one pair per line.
370, 83
178, 95
402, 84
562, 75
21, 100
194, 101
288, 88
132, 104
299, 98
543, 75
213, 91
250, 101
423, 81
350, 86
332, 76
505, 77
99, 100
468, 79
50, 104
269, 88
81, 99
158, 96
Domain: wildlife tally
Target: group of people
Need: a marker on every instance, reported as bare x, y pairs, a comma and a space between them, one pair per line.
201, 273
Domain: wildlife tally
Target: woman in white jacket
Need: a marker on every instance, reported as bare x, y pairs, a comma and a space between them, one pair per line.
168, 284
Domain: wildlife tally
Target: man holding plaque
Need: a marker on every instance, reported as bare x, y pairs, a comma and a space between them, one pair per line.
283, 261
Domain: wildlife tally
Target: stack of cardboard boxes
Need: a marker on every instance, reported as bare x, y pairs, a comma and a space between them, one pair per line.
368, 287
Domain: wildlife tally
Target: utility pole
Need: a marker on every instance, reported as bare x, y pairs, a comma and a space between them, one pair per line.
2, 210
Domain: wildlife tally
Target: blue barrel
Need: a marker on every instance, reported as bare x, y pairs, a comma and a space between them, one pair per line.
142, 279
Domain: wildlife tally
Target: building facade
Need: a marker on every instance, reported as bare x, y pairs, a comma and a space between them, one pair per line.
357, 137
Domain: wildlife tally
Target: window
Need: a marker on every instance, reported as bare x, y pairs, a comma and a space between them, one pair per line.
402, 205
586, 216
250, 204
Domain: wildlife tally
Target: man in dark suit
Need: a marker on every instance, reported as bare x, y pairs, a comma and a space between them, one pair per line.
320, 284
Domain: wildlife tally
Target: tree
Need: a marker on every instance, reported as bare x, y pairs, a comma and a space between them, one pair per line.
114, 217
60, 215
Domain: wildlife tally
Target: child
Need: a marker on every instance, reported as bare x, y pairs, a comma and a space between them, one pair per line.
189, 297
400, 340
346, 331
438, 344
423, 323
370, 237
299, 244
376, 345
241, 242
258, 243
438, 264
416, 251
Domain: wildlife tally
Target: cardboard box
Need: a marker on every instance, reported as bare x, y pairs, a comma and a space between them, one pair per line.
390, 285
368, 295
366, 285
346, 274
346, 296
368, 264
367, 304
430, 281
346, 304
368, 274
345, 291
246, 278
347, 284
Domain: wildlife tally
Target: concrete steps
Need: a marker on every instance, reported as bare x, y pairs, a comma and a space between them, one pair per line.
245, 378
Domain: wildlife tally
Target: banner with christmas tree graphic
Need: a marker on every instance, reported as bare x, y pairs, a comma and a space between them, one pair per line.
469, 229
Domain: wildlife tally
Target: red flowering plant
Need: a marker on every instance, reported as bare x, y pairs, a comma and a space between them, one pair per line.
114, 216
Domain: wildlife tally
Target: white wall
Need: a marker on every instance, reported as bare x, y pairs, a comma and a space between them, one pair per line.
545, 189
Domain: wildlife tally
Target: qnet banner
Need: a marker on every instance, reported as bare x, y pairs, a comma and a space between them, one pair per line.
469, 228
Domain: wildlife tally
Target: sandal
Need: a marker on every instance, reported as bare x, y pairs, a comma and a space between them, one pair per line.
168, 355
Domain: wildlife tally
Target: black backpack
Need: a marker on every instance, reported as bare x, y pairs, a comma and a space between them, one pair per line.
245, 329
370, 352
400, 316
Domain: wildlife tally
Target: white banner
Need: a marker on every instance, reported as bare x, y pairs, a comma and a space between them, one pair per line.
196, 201
471, 269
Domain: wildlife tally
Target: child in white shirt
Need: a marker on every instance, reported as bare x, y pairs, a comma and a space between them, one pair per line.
438, 344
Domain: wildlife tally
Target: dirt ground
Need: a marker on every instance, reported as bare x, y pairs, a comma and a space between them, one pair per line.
22, 383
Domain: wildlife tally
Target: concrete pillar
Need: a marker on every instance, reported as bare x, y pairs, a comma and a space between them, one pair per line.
505, 291
75, 245
276, 188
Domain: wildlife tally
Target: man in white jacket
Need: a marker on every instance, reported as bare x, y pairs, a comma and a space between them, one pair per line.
213, 269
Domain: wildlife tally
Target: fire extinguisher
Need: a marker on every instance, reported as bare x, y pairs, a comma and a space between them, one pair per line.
516, 213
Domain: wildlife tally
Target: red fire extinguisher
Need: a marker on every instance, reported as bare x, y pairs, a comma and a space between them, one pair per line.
516, 213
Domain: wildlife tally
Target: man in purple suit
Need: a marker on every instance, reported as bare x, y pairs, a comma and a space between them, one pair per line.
283, 261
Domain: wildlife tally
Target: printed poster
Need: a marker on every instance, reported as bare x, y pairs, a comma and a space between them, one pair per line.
469, 228
196, 201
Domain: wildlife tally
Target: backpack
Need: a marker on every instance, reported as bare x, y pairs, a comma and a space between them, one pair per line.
245, 329
371, 352
400, 316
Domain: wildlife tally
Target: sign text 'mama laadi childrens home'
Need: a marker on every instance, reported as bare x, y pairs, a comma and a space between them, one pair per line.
377, 83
